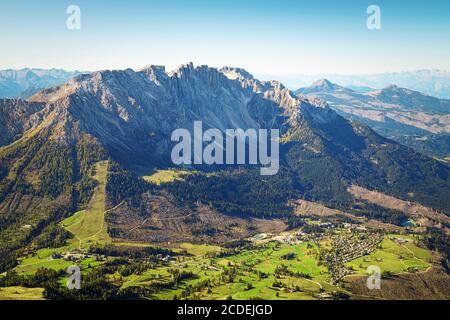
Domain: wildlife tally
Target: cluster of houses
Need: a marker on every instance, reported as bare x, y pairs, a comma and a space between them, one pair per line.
299, 236
354, 227
77, 256
346, 249
400, 241
166, 258
327, 225
291, 239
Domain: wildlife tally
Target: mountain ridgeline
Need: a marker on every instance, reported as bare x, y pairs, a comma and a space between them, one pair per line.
406, 116
432, 82
51, 142
25, 82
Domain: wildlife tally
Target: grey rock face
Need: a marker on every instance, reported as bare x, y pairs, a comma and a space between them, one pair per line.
133, 113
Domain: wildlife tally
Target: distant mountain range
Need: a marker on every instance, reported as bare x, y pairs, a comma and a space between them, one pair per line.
408, 116
25, 82
432, 82
28, 81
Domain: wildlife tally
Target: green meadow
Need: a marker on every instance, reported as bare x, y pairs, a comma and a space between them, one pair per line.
249, 264
89, 226
394, 257
21, 293
166, 176
43, 259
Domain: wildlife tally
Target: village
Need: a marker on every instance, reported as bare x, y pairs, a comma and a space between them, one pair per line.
346, 249
351, 242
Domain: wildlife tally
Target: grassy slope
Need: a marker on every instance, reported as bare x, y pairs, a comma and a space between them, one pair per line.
166, 176
262, 259
21, 293
394, 258
43, 259
89, 225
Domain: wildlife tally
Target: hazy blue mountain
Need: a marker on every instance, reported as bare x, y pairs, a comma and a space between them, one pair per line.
432, 82
361, 89
24, 83
409, 117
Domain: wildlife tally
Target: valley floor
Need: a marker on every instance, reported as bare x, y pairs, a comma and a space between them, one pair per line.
319, 260
282, 266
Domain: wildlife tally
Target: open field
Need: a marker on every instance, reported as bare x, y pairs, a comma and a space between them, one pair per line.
199, 249
166, 176
250, 264
395, 258
261, 290
21, 293
89, 226
43, 259
74, 219
31, 267
268, 258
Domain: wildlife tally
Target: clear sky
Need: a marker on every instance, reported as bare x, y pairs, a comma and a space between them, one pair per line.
266, 37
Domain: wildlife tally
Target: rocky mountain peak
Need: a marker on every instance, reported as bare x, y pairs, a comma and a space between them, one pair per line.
236, 73
124, 107
324, 84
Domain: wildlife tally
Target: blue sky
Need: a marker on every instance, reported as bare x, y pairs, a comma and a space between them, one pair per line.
265, 37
